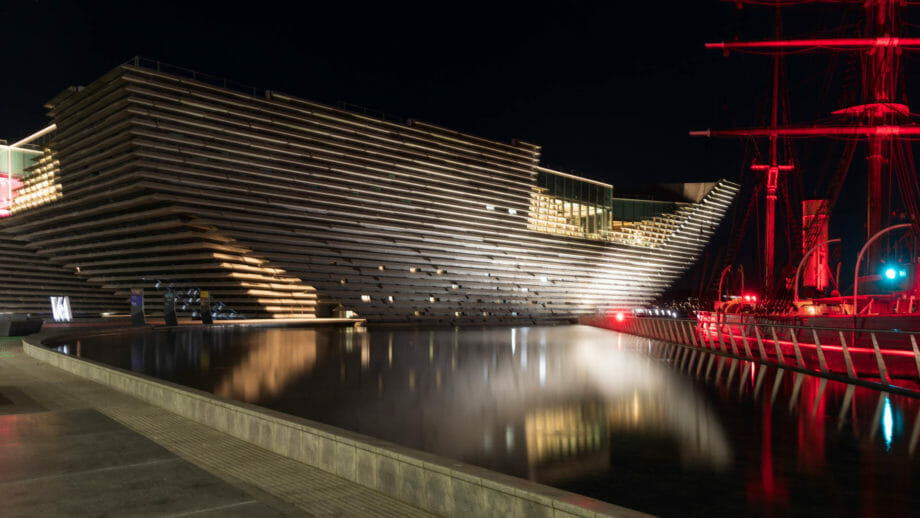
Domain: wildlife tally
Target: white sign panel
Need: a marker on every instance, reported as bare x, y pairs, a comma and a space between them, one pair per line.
60, 309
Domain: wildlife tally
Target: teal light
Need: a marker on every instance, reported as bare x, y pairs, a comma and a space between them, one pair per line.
888, 424
890, 273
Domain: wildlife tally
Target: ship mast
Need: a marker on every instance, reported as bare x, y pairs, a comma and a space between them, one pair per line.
880, 120
772, 171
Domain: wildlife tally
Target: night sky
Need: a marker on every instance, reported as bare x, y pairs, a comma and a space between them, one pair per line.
608, 89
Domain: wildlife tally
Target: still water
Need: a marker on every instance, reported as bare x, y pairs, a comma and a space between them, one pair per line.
632, 421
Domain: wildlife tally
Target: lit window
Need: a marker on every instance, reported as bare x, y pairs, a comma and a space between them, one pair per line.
457, 313
390, 299
418, 313
490, 207
544, 279
439, 271
432, 299
454, 286
512, 211
365, 298
342, 281
413, 269
514, 313
381, 268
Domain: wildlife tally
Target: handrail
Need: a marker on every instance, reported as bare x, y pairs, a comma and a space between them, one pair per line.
795, 297
161, 66
752, 319
859, 259
727, 269
874, 368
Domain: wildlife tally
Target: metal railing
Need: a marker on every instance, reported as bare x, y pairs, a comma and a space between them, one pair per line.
725, 372
214, 80
885, 358
159, 66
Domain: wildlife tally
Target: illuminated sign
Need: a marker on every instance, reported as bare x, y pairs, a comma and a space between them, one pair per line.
9, 189
60, 309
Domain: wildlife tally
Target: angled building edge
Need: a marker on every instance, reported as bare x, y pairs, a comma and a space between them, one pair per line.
282, 207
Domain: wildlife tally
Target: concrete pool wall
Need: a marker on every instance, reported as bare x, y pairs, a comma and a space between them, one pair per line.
436, 484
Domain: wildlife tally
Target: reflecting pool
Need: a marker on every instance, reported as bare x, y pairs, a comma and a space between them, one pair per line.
632, 421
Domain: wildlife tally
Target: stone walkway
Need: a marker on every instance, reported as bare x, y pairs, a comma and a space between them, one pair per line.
71, 447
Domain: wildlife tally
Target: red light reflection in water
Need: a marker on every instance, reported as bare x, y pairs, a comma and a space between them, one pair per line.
826, 447
811, 424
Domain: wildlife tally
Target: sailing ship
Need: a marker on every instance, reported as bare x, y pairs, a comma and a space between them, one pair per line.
868, 330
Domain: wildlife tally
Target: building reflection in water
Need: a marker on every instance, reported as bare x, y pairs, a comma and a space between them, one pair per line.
271, 364
577, 407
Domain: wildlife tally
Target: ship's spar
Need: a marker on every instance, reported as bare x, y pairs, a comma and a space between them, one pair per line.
881, 120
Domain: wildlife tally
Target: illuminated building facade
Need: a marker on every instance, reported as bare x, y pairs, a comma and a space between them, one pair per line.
282, 207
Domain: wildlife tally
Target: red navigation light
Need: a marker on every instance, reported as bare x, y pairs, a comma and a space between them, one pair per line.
620, 316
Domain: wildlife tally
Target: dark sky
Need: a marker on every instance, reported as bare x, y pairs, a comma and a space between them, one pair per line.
608, 89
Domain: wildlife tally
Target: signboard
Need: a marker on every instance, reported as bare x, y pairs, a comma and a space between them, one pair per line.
60, 309
9, 189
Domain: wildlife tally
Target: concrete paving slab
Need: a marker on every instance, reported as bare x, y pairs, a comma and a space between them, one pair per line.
14, 401
153, 488
36, 455
72, 447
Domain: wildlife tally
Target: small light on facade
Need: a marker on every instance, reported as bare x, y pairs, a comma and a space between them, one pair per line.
365, 298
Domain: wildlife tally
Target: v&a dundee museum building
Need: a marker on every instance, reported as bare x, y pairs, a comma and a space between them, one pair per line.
161, 178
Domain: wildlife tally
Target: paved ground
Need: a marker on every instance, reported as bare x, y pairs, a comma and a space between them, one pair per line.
71, 447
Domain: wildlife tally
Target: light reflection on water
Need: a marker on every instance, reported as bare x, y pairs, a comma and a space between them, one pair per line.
620, 418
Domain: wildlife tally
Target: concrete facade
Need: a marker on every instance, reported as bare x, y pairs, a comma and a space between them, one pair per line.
281, 207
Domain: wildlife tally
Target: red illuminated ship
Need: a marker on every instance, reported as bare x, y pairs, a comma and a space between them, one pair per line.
869, 329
